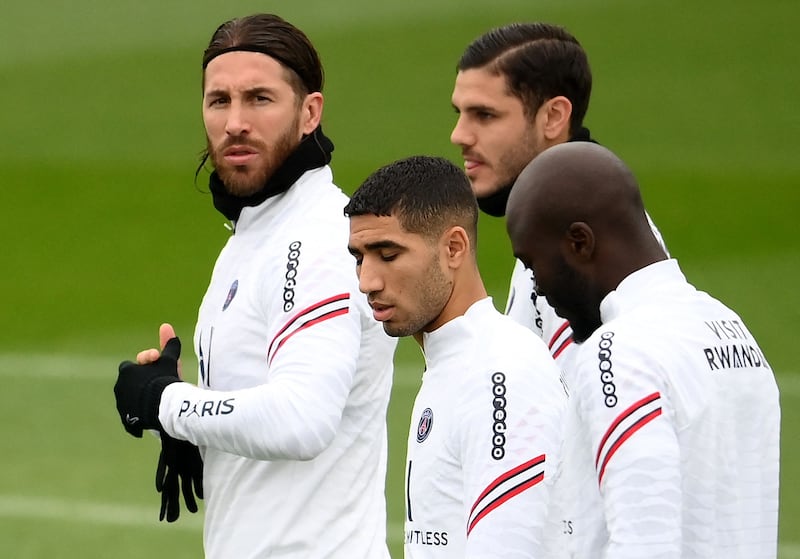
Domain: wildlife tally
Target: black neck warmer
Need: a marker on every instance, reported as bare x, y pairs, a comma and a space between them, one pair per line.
314, 151
495, 204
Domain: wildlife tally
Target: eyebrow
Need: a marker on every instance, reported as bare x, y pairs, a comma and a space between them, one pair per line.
477, 108
258, 90
377, 245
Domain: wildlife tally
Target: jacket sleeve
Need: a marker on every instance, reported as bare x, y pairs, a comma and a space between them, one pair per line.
625, 406
509, 447
311, 357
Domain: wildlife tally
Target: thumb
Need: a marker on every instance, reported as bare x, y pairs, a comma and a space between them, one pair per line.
172, 350
165, 333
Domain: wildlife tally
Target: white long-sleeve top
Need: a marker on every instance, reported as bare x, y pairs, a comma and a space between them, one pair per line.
295, 379
673, 437
484, 441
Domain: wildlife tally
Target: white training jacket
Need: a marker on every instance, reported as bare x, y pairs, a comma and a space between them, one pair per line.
296, 376
673, 442
484, 441
533, 311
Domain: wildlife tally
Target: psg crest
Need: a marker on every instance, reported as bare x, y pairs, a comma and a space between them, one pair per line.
425, 425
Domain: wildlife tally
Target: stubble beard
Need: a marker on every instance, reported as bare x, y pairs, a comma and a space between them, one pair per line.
435, 290
511, 163
244, 180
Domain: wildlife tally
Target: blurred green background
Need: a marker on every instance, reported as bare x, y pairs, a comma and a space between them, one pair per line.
107, 235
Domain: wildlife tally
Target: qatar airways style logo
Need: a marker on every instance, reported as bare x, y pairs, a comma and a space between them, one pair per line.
606, 374
499, 415
292, 263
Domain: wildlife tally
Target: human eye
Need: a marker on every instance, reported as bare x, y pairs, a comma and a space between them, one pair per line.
261, 96
357, 256
217, 101
388, 257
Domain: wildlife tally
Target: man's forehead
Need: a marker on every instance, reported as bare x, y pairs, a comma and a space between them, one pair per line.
371, 224
244, 70
478, 85
370, 229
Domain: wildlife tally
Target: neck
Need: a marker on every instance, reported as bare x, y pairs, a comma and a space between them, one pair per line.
466, 292
313, 152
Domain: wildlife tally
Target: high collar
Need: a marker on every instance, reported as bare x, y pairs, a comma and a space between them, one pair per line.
638, 288
448, 339
314, 151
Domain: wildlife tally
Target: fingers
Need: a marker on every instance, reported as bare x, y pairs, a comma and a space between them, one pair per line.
147, 356
170, 506
161, 470
172, 349
165, 333
188, 496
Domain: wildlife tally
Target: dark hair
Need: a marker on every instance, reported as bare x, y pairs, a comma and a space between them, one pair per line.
271, 35
275, 37
426, 194
539, 62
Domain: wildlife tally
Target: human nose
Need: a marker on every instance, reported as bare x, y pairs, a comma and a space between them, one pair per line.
460, 135
369, 280
236, 123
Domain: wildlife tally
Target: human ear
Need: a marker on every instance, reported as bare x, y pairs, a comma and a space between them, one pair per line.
558, 111
457, 245
579, 241
311, 112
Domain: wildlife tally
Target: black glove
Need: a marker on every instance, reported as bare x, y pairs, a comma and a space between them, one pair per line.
178, 463
138, 389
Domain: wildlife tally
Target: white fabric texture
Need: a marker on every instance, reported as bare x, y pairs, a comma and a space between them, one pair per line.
483, 442
672, 448
296, 376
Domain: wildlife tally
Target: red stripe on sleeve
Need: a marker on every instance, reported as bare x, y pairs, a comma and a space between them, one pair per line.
562, 347
628, 433
620, 418
308, 325
505, 497
557, 334
299, 314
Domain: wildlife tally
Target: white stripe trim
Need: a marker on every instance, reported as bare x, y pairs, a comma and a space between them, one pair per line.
555, 343
520, 478
299, 321
634, 417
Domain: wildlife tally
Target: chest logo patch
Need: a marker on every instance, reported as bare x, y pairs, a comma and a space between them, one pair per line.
425, 425
231, 294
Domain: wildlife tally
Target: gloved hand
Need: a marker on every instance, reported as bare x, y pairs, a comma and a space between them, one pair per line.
138, 389
178, 464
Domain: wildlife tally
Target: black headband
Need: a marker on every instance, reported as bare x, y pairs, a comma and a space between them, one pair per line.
256, 48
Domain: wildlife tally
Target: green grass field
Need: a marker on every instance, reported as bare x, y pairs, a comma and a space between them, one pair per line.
106, 235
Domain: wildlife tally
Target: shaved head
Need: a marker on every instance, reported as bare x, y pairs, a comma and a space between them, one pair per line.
575, 216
